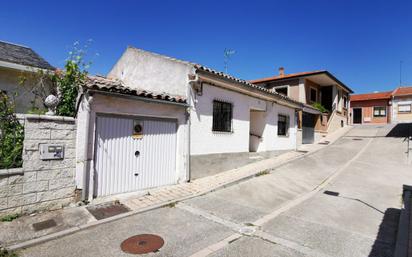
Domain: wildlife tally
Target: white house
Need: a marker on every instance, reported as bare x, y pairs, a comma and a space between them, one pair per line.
402, 105
219, 120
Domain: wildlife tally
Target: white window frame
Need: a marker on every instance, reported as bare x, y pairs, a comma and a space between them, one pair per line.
404, 105
280, 87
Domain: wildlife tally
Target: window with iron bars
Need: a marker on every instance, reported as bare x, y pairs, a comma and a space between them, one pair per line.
222, 116
283, 125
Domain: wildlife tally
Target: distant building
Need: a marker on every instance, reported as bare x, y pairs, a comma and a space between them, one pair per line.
382, 107
309, 88
371, 108
18, 62
401, 105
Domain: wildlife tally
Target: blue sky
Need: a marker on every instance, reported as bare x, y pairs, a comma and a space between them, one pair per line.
361, 42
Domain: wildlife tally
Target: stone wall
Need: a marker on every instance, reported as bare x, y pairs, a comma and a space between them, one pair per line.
41, 184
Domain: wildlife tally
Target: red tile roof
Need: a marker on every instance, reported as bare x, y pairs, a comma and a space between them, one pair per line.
371, 96
402, 91
117, 86
291, 75
301, 74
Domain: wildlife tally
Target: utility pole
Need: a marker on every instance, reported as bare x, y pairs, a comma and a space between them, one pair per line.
227, 53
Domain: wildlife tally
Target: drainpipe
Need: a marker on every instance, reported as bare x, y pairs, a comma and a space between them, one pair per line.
84, 159
194, 84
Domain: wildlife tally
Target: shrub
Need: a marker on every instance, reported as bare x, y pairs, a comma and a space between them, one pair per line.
320, 107
69, 80
11, 135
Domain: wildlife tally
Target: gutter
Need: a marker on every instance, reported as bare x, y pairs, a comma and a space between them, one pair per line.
21, 67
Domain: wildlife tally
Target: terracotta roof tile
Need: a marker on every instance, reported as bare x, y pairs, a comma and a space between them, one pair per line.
371, 96
402, 91
117, 86
291, 75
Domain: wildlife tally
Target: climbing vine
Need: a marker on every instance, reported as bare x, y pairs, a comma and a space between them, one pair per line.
11, 135
69, 80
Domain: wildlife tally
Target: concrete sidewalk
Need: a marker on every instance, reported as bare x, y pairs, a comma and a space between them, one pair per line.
19, 233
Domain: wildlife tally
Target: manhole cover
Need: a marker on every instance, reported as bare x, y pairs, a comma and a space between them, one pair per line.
145, 243
44, 224
357, 139
107, 210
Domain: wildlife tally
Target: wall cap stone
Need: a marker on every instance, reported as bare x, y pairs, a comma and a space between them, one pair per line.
45, 117
11, 172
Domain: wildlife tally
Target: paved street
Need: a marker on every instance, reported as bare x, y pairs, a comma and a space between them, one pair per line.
285, 213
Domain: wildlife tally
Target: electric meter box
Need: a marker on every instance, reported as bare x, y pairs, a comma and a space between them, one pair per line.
51, 152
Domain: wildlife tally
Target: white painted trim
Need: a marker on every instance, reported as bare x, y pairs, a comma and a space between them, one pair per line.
280, 87
20, 67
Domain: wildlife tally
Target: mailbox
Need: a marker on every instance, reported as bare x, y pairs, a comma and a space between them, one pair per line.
51, 152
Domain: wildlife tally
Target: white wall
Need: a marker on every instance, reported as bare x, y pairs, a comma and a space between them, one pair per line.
204, 141
153, 72
116, 105
402, 117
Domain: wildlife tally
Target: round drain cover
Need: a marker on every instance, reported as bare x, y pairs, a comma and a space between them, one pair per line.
145, 243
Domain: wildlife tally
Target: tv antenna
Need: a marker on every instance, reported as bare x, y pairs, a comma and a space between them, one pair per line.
227, 54
400, 73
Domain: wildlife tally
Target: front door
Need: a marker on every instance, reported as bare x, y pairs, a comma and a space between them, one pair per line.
308, 128
133, 154
357, 115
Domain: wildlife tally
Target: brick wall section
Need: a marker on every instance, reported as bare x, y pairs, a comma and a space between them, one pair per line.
367, 110
41, 185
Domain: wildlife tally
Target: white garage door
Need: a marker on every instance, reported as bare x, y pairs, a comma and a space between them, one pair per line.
133, 154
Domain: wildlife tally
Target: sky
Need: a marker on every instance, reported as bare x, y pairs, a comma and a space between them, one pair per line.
361, 42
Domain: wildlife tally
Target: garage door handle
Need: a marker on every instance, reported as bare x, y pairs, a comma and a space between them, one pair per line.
136, 174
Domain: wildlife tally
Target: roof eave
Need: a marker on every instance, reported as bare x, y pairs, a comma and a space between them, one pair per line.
253, 91
21, 67
307, 75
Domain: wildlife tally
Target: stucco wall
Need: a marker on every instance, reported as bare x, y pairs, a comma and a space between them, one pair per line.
399, 117
41, 184
153, 72
293, 87
205, 141
122, 106
22, 95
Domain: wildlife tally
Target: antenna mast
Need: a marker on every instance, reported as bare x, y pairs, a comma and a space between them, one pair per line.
227, 53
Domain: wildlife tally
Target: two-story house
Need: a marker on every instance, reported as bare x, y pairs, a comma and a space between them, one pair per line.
324, 96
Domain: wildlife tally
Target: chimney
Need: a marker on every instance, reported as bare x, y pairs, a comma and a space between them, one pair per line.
281, 72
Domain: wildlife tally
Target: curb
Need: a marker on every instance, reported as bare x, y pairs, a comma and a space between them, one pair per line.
75, 229
402, 237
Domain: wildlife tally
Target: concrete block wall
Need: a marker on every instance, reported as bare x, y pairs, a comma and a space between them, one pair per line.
41, 184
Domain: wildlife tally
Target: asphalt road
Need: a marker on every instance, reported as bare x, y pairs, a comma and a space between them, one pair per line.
285, 213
